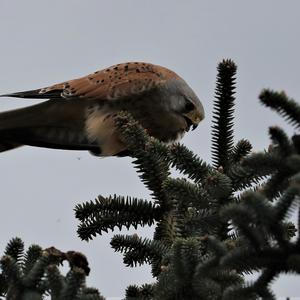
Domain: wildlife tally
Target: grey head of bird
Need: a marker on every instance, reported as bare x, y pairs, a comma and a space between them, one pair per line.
184, 101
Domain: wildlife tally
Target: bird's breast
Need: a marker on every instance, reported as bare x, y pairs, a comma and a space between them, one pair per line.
97, 123
100, 128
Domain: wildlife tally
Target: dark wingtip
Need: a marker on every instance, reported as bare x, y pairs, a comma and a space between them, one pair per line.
33, 94
26, 94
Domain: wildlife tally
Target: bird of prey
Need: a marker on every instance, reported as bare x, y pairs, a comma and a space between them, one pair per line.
79, 113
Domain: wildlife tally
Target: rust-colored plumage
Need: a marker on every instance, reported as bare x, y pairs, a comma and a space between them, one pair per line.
80, 112
121, 80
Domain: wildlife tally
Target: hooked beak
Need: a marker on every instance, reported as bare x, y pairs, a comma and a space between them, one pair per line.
194, 126
193, 118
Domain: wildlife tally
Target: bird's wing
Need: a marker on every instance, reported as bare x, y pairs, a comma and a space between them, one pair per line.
71, 124
119, 81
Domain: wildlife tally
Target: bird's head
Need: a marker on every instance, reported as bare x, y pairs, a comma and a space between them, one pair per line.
185, 102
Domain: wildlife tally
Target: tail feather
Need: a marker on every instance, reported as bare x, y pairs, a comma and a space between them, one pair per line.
5, 146
12, 120
23, 117
53, 124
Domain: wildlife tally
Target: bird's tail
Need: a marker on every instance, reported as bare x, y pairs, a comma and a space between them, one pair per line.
10, 122
52, 124
5, 146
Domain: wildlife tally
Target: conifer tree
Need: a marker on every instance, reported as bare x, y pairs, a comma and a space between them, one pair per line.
217, 223
214, 225
34, 274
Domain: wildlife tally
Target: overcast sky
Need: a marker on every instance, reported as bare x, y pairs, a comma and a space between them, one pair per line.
45, 42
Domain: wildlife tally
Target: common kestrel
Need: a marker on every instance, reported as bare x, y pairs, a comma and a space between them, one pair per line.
79, 113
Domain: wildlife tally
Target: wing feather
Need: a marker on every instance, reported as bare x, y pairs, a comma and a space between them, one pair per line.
122, 80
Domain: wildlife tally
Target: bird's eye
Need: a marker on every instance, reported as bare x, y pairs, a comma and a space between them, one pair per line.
189, 106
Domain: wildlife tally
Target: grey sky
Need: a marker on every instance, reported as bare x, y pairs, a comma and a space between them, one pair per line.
44, 42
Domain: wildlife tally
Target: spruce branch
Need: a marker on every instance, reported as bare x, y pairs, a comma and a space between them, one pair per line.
245, 177
145, 292
286, 204
116, 211
218, 186
191, 213
284, 106
152, 170
201, 222
55, 281
3, 285
166, 229
258, 290
263, 162
74, 281
10, 271
34, 276
188, 163
111, 204
138, 251
15, 249
256, 167
33, 253
240, 150
89, 294
186, 194
280, 140
279, 181
176, 279
39, 274
222, 128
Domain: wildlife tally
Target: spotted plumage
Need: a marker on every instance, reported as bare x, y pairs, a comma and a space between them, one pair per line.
80, 113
